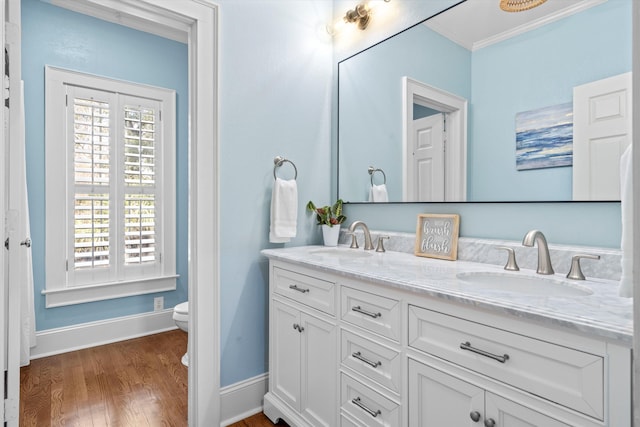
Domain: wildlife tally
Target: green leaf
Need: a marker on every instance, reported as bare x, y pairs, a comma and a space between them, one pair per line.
311, 206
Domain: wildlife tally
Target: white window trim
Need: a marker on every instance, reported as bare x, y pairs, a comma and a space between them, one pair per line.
57, 292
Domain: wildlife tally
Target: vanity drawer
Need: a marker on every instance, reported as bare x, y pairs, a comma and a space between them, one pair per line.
378, 362
366, 405
316, 293
563, 375
373, 312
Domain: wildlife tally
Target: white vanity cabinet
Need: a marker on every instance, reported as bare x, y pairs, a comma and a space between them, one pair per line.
347, 351
440, 399
302, 350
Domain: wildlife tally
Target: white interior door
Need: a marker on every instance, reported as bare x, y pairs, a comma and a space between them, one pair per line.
12, 203
601, 132
426, 162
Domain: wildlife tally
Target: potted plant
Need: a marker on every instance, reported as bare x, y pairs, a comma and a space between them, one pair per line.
327, 217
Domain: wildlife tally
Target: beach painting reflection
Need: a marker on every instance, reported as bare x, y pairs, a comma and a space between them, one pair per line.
544, 137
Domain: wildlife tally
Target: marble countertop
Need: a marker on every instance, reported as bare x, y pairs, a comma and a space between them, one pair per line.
602, 314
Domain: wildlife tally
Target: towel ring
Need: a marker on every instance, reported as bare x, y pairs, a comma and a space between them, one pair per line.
278, 161
373, 170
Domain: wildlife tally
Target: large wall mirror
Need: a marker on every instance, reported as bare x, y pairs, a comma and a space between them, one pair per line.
477, 104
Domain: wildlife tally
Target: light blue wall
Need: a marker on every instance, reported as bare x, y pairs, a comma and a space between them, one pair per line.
275, 99
55, 36
563, 54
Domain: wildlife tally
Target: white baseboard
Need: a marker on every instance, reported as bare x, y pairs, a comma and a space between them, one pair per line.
85, 335
241, 400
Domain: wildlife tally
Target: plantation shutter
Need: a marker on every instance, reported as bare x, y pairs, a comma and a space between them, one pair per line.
114, 185
140, 138
91, 133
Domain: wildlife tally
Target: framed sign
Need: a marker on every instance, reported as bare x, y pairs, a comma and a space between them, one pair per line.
437, 236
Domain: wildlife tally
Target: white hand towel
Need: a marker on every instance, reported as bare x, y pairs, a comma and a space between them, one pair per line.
378, 193
284, 211
626, 207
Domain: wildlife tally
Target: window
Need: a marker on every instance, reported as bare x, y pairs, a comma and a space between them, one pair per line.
110, 188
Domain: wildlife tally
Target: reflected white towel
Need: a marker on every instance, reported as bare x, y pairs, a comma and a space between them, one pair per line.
626, 207
378, 193
284, 211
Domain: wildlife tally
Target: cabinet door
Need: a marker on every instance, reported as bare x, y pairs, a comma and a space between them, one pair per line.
318, 355
439, 399
286, 354
506, 413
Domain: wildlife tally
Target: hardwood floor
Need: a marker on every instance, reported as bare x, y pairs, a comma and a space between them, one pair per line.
138, 382
257, 420
133, 383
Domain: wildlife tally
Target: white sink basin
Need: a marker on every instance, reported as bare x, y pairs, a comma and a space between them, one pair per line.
523, 284
338, 252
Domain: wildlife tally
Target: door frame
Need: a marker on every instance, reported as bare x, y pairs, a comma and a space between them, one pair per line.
455, 175
196, 23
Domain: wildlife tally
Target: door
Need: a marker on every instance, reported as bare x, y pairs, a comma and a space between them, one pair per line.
12, 199
601, 132
506, 413
318, 362
426, 163
286, 375
439, 399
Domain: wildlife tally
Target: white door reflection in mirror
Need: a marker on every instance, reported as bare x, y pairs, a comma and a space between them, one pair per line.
425, 174
434, 156
602, 131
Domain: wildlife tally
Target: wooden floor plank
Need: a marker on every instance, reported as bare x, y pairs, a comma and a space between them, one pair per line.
137, 383
134, 383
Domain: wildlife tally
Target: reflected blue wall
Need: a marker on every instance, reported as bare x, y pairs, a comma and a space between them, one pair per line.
538, 69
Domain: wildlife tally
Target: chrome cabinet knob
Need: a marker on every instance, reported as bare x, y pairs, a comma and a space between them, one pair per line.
26, 242
475, 416
489, 422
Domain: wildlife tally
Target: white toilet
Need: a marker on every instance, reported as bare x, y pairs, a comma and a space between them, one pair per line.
181, 317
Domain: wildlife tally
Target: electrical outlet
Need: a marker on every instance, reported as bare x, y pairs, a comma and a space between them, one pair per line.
158, 303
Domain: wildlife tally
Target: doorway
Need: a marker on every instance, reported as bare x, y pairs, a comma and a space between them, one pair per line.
196, 22
450, 163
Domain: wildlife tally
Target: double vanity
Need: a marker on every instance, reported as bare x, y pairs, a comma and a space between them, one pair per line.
362, 338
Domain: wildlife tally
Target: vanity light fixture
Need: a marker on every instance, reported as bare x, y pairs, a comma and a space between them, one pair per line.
359, 15
519, 5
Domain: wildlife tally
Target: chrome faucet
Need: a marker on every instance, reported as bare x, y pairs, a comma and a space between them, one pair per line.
544, 261
367, 236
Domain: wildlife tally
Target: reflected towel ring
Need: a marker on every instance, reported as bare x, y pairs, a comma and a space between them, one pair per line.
373, 170
278, 161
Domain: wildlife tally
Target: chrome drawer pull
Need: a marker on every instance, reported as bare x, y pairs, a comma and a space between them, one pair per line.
365, 312
467, 346
296, 288
360, 357
298, 327
362, 406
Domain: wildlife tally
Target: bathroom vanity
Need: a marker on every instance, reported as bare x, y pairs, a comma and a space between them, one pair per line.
358, 338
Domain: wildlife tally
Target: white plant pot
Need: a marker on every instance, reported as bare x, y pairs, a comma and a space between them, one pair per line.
330, 235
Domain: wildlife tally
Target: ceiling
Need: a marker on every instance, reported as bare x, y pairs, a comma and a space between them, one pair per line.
490, 24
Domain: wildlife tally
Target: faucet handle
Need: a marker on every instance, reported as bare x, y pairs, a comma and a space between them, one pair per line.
354, 240
380, 247
575, 272
511, 264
